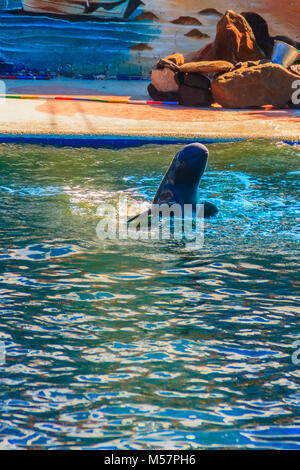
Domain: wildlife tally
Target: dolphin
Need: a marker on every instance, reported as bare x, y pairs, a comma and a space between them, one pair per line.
181, 181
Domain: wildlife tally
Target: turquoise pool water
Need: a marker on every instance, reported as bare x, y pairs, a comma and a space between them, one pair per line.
137, 344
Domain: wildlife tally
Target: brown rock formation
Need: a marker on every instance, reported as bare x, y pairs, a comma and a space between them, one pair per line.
210, 11
215, 66
235, 40
258, 85
147, 16
141, 47
187, 20
197, 34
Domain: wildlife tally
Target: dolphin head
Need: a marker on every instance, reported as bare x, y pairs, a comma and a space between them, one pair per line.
189, 164
181, 181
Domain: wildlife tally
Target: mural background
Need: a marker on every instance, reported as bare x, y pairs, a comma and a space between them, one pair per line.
43, 44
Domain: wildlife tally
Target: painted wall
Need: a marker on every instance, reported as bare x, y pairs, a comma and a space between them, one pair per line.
42, 44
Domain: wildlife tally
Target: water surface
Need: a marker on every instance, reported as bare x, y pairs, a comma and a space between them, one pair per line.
142, 344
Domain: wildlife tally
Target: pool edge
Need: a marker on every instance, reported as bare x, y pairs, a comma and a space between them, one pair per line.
119, 141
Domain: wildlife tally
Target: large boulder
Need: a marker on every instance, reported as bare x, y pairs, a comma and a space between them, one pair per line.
234, 42
258, 85
195, 90
165, 80
196, 80
207, 67
157, 95
192, 96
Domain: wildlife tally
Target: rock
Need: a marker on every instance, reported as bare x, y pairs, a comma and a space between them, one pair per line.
187, 20
165, 63
259, 85
162, 96
210, 11
197, 34
250, 63
215, 66
206, 53
235, 41
260, 30
147, 16
172, 62
165, 80
141, 47
176, 58
295, 69
189, 96
196, 80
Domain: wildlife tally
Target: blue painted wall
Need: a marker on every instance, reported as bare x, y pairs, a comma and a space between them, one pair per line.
43, 44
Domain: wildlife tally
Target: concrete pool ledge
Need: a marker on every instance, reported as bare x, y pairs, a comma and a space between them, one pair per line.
48, 120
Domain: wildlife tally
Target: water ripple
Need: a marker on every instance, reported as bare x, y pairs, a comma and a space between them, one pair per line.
138, 345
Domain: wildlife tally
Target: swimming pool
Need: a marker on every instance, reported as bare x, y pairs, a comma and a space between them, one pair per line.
137, 344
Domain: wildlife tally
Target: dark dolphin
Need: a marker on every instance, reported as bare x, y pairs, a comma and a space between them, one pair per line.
181, 181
